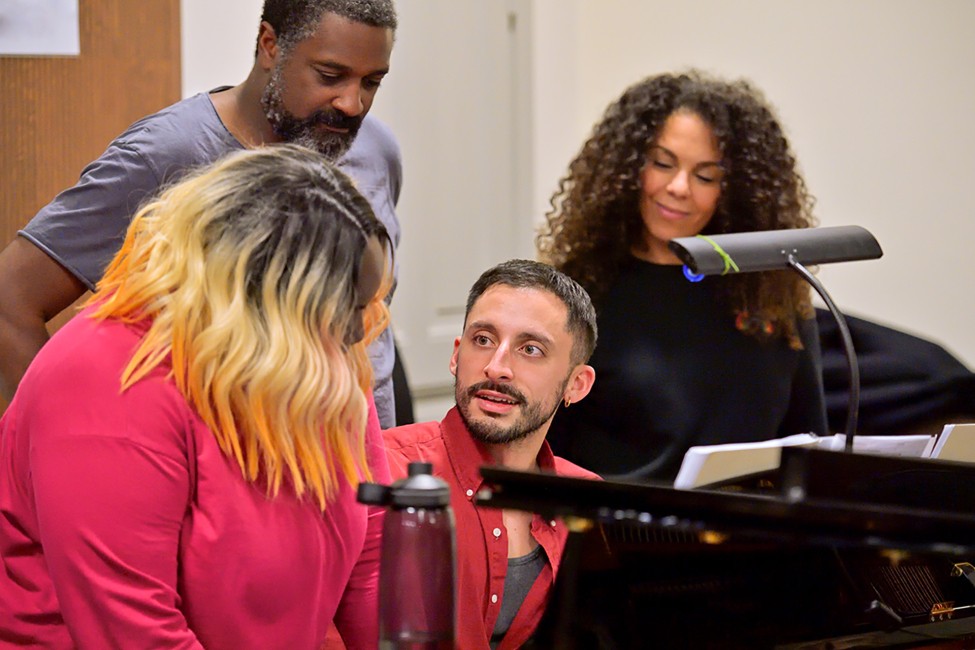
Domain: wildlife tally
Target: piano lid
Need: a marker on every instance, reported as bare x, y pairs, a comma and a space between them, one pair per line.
805, 517
843, 562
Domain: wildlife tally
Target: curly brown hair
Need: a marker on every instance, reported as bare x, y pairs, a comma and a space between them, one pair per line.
595, 218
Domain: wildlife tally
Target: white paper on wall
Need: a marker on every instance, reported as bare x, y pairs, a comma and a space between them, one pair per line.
39, 28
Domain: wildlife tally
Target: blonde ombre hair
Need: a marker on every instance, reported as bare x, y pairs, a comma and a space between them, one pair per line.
246, 274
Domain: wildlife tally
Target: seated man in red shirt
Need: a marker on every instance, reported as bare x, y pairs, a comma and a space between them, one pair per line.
528, 332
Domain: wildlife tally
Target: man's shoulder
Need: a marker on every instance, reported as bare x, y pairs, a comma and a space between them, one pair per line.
374, 158
414, 442
186, 133
404, 439
169, 118
571, 470
376, 136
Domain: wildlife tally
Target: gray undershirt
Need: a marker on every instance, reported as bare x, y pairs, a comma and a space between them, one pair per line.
522, 573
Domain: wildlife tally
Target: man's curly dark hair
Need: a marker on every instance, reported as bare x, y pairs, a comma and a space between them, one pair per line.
595, 219
295, 20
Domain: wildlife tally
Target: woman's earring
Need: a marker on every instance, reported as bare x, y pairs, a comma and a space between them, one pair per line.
567, 402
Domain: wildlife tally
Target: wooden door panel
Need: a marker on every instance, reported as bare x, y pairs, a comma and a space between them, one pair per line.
59, 113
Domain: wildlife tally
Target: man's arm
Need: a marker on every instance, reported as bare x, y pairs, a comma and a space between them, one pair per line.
33, 289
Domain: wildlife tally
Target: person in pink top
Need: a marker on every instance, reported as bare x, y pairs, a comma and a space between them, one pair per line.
178, 466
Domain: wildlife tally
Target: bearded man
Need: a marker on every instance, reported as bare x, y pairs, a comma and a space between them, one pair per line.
528, 332
317, 67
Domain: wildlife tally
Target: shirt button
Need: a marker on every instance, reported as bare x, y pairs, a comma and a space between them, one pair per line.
497, 532
494, 598
470, 493
552, 523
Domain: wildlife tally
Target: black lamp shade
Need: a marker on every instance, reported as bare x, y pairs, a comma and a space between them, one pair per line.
771, 249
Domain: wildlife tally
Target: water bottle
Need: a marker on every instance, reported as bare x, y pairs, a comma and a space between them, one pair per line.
417, 562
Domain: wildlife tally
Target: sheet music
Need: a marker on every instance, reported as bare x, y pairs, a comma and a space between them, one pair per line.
955, 442
912, 446
710, 464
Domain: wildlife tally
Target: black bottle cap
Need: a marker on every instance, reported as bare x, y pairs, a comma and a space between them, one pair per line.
420, 489
373, 494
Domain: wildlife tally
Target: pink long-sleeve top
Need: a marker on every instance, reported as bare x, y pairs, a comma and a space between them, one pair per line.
123, 525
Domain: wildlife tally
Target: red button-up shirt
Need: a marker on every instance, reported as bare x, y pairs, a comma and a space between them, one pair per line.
482, 542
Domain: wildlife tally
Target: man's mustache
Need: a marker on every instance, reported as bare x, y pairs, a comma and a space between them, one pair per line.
504, 389
336, 119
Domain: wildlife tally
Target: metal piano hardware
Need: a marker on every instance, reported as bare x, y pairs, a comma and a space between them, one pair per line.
942, 611
964, 569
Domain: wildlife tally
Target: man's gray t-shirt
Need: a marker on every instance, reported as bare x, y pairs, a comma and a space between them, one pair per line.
83, 227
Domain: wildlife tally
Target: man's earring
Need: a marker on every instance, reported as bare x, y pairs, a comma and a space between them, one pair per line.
567, 402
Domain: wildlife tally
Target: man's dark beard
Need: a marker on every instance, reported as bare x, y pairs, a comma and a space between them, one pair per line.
308, 132
532, 417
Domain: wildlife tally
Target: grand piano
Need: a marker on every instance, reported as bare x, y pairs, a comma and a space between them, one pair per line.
831, 551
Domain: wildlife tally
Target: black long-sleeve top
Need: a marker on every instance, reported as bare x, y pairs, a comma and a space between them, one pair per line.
673, 371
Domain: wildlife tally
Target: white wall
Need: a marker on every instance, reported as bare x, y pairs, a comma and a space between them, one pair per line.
876, 96
457, 96
218, 42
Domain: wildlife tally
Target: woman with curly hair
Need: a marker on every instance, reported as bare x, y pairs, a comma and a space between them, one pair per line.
178, 466
681, 363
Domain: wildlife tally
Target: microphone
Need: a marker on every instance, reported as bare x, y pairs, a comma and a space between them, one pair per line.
768, 250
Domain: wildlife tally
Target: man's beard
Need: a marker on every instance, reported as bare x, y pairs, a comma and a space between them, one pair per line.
308, 132
533, 416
